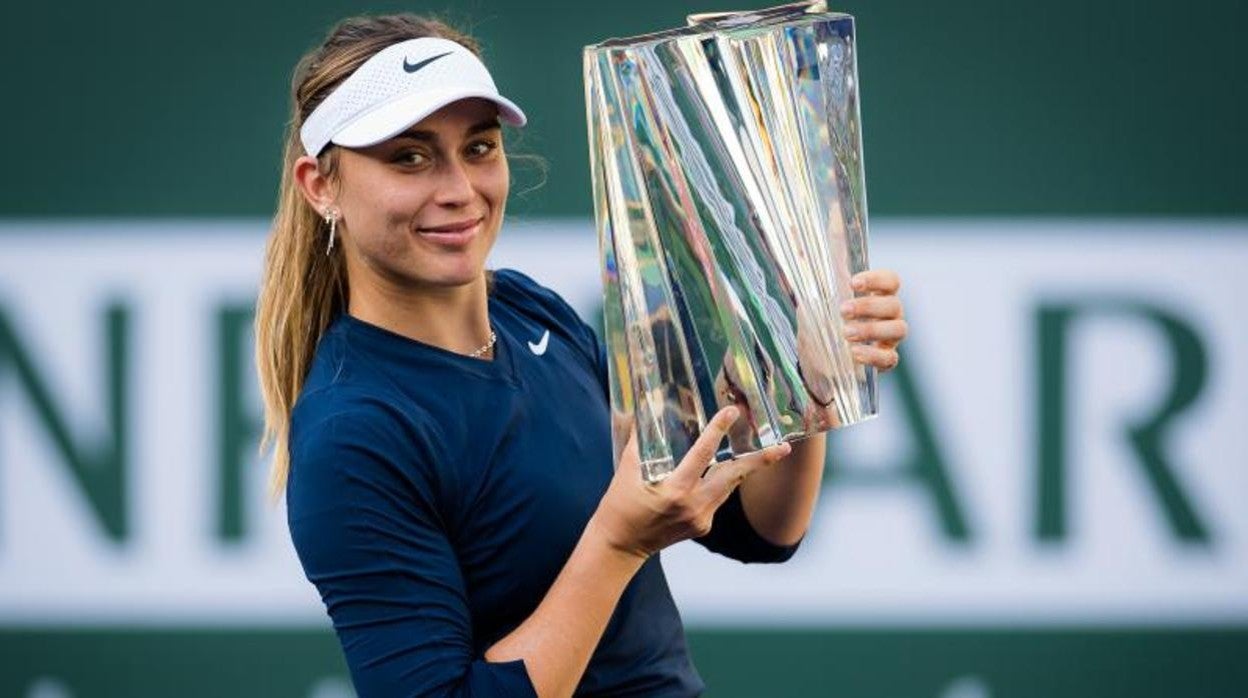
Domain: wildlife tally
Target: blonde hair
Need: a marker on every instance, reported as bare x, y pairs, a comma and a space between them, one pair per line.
302, 288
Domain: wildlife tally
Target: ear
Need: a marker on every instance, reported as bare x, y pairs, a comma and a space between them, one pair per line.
317, 189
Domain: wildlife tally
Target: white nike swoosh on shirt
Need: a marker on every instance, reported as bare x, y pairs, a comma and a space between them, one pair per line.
540, 347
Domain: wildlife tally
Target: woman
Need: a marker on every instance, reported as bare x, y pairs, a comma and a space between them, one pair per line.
442, 431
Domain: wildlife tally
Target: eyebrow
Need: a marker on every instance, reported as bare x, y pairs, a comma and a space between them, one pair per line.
487, 125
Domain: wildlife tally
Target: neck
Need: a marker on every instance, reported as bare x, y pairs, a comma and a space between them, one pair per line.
454, 318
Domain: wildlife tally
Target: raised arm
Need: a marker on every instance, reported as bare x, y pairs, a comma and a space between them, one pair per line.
780, 501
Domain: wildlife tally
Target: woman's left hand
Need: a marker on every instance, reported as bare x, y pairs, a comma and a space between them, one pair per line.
874, 320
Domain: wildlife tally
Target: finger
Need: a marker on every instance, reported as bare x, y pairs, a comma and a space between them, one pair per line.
690, 469
879, 357
630, 446
622, 422
726, 476
887, 332
621, 426
877, 307
629, 457
876, 281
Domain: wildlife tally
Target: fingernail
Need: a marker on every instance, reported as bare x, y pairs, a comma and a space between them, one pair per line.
858, 283
847, 308
853, 332
733, 413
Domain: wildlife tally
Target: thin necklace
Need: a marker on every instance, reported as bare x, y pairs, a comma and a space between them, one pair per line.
485, 347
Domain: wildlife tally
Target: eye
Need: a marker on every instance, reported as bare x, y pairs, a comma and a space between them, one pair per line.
481, 148
412, 157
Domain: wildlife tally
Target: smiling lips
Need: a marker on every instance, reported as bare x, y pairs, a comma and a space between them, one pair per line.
457, 234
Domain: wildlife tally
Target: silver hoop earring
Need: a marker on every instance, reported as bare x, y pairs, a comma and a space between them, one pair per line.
331, 217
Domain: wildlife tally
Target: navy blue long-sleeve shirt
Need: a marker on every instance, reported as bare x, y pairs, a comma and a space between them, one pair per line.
433, 498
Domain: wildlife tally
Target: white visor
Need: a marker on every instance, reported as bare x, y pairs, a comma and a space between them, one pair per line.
398, 87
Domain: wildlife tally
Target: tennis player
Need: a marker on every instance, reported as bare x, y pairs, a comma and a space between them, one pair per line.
442, 431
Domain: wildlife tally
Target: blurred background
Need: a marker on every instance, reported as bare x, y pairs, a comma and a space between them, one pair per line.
1052, 501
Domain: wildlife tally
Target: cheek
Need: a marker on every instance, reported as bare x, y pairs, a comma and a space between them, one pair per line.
377, 231
386, 208
496, 185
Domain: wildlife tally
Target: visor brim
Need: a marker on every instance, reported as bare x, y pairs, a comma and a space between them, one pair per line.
393, 118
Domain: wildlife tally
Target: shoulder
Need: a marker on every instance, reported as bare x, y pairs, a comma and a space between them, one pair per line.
342, 440
349, 395
337, 414
520, 289
529, 297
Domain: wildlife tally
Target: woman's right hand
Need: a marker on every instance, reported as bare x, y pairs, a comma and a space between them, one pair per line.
641, 518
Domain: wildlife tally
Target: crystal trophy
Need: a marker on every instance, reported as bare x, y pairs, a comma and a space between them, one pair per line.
731, 212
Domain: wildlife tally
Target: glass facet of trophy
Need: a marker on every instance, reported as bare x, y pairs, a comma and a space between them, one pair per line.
731, 212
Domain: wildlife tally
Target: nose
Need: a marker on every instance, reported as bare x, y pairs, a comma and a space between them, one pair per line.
455, 187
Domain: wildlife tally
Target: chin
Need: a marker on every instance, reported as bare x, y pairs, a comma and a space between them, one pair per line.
451, 278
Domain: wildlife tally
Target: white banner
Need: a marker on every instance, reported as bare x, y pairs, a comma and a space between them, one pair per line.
1064, 444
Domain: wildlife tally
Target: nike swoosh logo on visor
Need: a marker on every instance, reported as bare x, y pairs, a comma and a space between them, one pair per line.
413, 67
540, 347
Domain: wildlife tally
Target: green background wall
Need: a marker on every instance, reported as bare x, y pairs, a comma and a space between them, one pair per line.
970, 106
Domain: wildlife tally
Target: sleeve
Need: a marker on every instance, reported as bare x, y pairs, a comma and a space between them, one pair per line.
733, 536
367, 532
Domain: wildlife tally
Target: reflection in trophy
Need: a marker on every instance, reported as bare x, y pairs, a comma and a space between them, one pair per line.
731, 212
